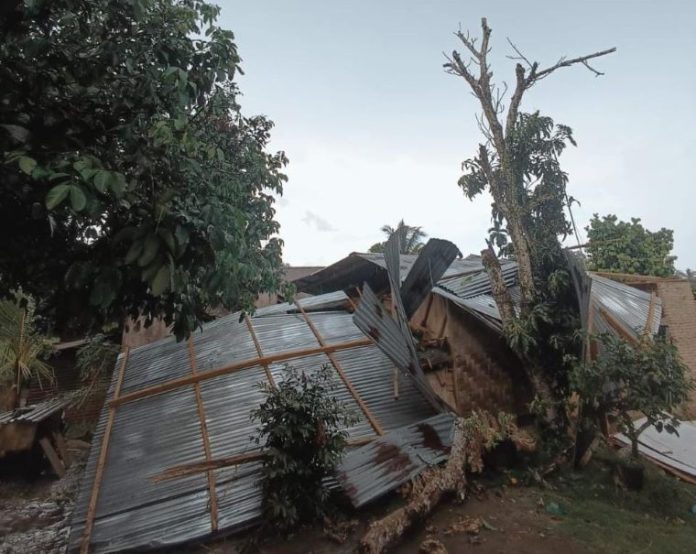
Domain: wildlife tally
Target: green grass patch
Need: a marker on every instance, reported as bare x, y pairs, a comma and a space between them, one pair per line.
606, 518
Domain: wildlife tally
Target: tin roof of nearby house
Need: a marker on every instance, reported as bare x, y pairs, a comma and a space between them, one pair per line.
154, 425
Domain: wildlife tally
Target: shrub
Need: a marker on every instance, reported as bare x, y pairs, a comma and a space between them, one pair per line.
302, 427
648, 378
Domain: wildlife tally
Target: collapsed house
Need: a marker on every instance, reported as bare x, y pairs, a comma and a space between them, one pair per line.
410, 339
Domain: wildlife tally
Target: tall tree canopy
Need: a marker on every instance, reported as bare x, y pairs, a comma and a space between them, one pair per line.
130, 181
628, 247
518, 165
410, 238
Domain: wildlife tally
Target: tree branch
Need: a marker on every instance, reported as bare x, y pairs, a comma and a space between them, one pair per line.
567, 63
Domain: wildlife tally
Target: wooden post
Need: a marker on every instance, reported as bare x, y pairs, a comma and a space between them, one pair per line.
101, 461
52, 456
373, 421
212, 493
62, 448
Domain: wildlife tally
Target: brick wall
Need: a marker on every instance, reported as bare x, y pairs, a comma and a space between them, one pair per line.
679, 314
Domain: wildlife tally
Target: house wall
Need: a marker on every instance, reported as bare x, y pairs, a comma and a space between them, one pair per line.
679, 315
486, 374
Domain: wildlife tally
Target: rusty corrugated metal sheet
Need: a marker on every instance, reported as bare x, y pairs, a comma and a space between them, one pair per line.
375, 469
159, 432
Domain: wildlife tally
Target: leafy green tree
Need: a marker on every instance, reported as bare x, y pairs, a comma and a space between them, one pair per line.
628, 247
648, 378
411, 239
302, 428
131, 183
518, 166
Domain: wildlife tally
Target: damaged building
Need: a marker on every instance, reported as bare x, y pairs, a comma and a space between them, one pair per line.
410, 339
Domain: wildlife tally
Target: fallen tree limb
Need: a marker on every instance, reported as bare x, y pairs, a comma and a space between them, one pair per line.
473, 437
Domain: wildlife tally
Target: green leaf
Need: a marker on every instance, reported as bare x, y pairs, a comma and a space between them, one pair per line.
160, 283
56, 195
150, 250
167, 238
101, 180
78, 200
17, 132
134, 252
27, 164
117, 183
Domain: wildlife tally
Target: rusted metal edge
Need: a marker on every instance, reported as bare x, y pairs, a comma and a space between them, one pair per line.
371, 418
212, 493
101, 461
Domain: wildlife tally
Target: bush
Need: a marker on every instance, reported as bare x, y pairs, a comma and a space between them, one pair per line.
648, 378
302, 429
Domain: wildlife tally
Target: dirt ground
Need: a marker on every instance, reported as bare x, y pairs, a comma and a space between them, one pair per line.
570, 513
35, 515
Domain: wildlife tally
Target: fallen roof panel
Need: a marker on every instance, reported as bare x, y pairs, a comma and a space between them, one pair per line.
160, 431
676, 452
375, 469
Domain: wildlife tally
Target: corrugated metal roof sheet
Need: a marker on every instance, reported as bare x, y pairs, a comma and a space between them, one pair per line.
158, 432
373, 470
430, 265
36, 413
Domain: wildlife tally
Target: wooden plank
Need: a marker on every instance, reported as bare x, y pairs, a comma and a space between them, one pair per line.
212, 494
62, 448
647, 330
237, 366
373, 421
101, 461
52, 456
185, 470
614, 324
257, 345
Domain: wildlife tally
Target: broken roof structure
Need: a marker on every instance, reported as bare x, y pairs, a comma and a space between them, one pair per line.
174, 404
173, 459
615, 306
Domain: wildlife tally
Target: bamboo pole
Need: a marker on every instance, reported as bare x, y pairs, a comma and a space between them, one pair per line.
237, 366
257, 345
212, 493
101, 462
373, 421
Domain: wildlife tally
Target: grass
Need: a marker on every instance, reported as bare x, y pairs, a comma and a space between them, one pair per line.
609, 519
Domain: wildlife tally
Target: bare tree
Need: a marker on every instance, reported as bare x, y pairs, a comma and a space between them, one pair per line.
500, 168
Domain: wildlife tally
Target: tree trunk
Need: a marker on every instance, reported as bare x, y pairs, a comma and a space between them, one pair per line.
500, 292
386, 532
523, 256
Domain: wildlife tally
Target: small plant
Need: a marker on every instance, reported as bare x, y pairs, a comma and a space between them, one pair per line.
95, 360
22, 349
302, 429
648, 378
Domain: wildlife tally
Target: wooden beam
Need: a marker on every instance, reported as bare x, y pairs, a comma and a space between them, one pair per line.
237, 366
185, 470
257, 345
614, 324
647, 330
212, 493
373, 421
62, 448
101, 461
52, 456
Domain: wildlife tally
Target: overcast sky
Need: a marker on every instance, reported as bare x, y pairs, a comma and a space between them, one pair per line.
376, 131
